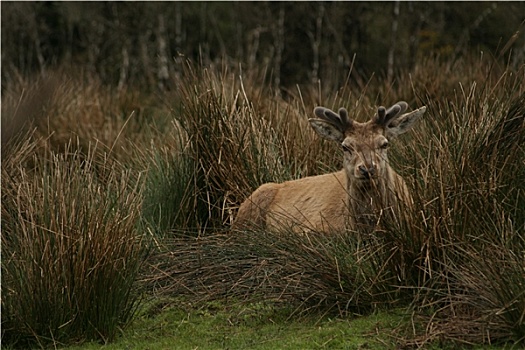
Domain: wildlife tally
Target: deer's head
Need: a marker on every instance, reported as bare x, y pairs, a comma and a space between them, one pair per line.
365, 145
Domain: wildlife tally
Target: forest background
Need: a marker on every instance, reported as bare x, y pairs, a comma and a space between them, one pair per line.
143, 44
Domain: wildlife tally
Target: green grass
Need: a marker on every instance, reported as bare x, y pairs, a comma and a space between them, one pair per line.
252, 326
218, 325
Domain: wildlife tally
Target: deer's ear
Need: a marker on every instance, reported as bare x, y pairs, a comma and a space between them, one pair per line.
404, 123
326, 130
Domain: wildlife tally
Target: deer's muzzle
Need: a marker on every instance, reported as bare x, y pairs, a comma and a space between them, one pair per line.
366, 173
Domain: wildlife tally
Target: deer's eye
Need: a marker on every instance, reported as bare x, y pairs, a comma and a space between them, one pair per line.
384, 145
346, 148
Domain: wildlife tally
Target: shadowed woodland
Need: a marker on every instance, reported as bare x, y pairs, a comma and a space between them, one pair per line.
144, 44
132, 132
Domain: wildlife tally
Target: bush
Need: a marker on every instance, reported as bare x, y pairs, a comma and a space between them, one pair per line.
70, 247
471, 213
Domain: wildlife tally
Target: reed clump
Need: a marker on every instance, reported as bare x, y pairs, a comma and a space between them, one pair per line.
71, 248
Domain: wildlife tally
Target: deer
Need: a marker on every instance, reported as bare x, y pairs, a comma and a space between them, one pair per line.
351, 199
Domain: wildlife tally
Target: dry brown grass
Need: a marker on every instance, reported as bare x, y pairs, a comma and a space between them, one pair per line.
70, 246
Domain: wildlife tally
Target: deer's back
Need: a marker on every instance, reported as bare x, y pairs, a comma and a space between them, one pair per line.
311, 203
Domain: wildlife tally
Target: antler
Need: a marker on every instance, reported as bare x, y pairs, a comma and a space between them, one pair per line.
385, 117
341, 121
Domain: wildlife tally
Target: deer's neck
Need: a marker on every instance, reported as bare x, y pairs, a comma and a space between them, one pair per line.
366, 200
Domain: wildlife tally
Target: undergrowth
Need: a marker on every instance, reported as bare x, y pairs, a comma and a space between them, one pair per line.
71, 251
108, 176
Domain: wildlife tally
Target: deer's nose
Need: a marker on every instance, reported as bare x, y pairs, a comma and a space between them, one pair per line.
367, 172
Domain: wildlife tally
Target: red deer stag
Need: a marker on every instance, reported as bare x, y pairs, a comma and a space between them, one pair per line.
348, 199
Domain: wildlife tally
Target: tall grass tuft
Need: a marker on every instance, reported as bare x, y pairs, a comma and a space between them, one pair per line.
70, 247
470, 211
169, 196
